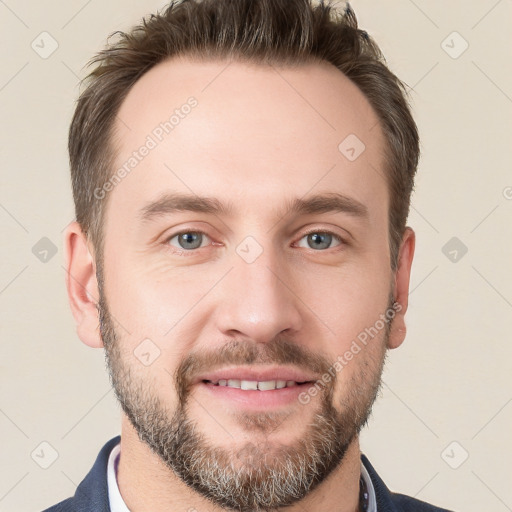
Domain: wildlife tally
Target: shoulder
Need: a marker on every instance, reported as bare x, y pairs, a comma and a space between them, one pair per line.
408, 504
388, 501
92, 493
63, 506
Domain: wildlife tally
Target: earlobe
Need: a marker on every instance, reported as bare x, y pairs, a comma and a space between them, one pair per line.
82, 285
402, 279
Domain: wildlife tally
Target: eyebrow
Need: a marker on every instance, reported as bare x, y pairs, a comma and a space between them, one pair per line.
331, 202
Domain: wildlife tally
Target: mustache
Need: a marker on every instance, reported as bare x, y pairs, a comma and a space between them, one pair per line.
279, 351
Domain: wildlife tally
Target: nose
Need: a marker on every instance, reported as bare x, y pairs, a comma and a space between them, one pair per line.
256, 300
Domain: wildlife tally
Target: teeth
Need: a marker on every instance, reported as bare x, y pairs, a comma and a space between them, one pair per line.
267, 385
249, 384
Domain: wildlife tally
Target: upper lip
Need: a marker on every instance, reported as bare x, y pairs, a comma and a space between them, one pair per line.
258, 374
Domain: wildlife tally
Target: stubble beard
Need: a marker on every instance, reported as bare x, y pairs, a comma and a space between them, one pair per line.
259, 475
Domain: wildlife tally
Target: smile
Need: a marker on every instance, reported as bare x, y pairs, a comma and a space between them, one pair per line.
253, 385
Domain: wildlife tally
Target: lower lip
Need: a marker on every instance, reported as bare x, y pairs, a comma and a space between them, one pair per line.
257, 399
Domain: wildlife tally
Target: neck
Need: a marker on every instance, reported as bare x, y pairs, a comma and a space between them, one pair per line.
146, 483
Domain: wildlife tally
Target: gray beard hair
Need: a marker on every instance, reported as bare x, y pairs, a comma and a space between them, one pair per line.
260, 476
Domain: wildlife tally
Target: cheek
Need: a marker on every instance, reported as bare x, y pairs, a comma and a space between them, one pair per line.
163, 312
348, 301
148, 300
358, 356
352, 306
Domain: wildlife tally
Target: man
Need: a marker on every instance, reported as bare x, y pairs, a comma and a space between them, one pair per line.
242, 173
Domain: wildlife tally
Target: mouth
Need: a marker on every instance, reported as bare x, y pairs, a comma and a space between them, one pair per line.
256, 388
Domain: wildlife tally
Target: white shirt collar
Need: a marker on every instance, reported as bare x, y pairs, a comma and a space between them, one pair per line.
372, 500
117, 503
115, 499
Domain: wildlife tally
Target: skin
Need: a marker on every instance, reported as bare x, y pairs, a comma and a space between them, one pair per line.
259, 136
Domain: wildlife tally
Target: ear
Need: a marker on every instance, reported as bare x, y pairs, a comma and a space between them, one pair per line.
402, 278
82, 285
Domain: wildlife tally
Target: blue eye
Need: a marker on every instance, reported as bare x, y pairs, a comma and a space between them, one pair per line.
188, 240
321, 239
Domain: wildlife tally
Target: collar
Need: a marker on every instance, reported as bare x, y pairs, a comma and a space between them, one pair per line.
115, 499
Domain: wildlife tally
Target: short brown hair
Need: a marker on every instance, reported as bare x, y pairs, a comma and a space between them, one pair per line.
286, 32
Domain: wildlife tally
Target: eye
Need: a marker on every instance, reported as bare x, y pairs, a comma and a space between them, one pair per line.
187, 240
321, 239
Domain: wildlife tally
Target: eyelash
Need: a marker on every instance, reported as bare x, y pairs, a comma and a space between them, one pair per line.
192, 252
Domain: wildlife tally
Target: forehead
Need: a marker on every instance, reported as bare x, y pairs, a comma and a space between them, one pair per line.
247, 132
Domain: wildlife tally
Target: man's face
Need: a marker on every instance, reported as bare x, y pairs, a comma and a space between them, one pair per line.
254, 292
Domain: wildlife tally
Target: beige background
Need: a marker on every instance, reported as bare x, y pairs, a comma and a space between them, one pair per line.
449, 382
